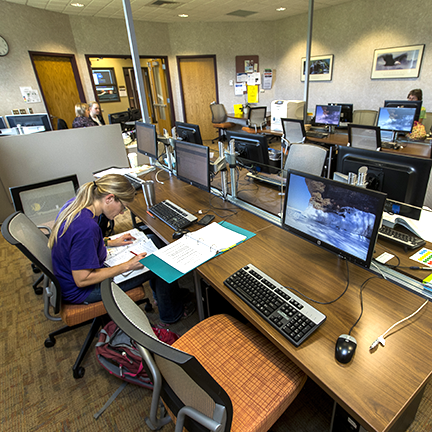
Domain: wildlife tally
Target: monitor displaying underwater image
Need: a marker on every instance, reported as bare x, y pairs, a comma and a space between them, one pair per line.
341, 218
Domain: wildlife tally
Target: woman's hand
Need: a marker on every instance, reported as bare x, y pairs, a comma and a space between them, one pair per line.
123, 240
134, 264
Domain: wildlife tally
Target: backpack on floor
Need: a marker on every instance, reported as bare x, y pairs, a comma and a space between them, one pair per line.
119, 355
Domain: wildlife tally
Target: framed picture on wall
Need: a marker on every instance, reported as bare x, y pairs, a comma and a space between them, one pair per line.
320, 68
398, 62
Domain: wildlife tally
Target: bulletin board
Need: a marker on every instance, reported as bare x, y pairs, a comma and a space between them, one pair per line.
241, 61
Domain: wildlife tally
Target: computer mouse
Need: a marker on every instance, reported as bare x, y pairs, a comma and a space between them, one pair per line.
345, 348
179, 234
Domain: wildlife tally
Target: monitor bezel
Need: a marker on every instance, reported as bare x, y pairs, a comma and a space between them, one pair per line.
327, 246
153, 155
201, 148
401, 104
357, 126
344, 105
394, 130
190, 127
44, 117
327, 124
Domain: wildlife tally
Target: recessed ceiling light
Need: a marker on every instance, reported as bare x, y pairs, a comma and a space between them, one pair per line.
183, 16
281, 9
77, 4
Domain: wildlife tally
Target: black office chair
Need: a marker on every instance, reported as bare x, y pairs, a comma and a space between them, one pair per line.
221, 375
61, 124
219, 120
21, 232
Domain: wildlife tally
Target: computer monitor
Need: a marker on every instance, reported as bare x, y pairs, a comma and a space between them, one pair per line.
134, 114
396, 120
328, 115
403, 178
188, 132
346, 112
193, 164
26, 120
338, 217
146, 137
120, 118
405, 104
293, 130
2, 123
363, 136
252, 150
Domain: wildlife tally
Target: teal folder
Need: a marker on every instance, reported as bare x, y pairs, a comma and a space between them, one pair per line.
170, 274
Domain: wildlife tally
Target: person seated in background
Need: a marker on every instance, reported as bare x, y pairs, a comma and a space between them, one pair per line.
417, 95
95, 113
79, 250
82, 118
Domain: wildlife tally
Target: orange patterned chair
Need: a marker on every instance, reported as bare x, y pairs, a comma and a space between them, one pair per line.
21, 232
221, 375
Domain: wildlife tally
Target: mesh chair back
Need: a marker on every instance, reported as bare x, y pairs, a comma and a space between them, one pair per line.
365, 117
185, 381
219, 114
42, 201
257, 116
21, 232
293, 130
308, 158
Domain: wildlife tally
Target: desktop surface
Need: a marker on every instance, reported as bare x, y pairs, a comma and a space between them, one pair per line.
375, 387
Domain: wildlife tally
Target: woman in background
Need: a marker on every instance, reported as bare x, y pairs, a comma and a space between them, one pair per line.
82, 118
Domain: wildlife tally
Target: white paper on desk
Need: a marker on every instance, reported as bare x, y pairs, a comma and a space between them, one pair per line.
140, 170
198, 247
121, 254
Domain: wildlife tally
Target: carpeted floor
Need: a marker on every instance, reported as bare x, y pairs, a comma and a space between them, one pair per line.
38, 392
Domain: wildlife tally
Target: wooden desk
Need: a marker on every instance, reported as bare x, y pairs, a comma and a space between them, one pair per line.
380, 389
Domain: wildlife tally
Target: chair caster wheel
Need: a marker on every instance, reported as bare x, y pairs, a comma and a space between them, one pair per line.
49, 343
38, 290
78, 373
35, 269
148, 307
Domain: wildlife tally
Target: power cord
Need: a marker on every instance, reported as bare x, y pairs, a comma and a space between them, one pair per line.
381, 340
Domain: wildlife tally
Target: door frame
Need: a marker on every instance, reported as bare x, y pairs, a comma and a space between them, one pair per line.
168, 75
74, 69
185, 57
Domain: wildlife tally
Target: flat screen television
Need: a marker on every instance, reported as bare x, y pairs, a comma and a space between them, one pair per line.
193, 164
188, 132
405, 104
26, 120
328, 115
146, 139
252, 150
346, 112
403, 178
338, 217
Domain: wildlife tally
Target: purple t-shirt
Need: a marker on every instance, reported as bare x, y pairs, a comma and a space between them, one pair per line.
80, 248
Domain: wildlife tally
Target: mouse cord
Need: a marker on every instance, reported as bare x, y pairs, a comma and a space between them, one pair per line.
381, 340
331, 301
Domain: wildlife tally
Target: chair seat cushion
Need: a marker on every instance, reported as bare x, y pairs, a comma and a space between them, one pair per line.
252, 130
259, 379
72, 314
225, 125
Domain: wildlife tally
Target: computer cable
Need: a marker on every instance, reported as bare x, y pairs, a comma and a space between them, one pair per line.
398, 266
381, 339
331, 301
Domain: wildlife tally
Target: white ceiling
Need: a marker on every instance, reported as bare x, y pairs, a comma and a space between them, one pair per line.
197, 10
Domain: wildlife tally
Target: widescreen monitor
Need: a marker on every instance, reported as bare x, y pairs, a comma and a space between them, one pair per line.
188, 132
252, 150
27, 120
403, 178
193, 164
396, 119
328, 115
405, 104
146, 139
338, 217
363, 136
2, 123
346, 112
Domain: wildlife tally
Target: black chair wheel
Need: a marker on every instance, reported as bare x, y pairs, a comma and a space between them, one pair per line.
79, 372
148, 307
35, 269
38, 290
49, 342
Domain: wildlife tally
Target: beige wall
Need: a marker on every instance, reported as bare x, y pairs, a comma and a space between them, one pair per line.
350, 31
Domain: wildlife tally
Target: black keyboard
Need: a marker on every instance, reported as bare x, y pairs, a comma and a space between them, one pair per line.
288, 314
406, 240
134, 181
314, 134
173, 215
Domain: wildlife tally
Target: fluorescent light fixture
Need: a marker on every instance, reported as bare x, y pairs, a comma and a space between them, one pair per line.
281, 9
183, 16
77, 4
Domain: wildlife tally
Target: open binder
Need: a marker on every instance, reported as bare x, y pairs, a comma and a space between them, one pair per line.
182, 256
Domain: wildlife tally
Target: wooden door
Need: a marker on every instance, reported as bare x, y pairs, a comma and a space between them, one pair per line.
198, 90
60, 85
